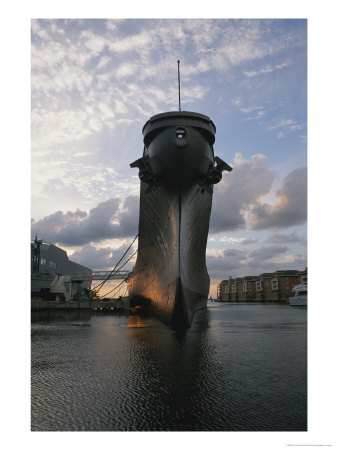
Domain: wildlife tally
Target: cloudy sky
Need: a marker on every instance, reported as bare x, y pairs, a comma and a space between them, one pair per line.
94, 83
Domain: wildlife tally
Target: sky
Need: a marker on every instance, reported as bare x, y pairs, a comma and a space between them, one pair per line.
94, 84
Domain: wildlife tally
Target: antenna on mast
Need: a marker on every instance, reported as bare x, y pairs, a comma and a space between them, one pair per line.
179, 85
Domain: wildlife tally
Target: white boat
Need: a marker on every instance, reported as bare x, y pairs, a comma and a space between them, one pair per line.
300, 297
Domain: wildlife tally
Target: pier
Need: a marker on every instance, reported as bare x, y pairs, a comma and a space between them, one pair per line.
107, 304
96, 275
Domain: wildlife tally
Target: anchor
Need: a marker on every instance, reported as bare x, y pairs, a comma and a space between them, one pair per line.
208, 176
149, 171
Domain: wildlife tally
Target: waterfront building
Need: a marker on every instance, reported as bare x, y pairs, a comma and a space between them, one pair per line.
264, 287
234, 289
303, 277
276, 286
282, 283
47, 261
238, 289
259, 289
223, 290
248, 288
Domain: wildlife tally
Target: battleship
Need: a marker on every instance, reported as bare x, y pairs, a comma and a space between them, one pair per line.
177, 172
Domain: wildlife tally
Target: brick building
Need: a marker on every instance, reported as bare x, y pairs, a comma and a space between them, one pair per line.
247, 289
276, 286
223, 290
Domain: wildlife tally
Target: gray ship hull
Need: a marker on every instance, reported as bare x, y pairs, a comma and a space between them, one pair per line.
177, 171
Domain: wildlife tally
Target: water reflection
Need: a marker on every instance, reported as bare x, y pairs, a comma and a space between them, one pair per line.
131, 372
54, 315
170, 374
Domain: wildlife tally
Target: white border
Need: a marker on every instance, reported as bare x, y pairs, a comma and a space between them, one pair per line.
323, 149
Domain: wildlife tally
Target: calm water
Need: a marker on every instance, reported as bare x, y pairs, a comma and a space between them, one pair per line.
239, 368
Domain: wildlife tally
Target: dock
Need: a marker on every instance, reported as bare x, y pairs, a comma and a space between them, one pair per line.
107, 304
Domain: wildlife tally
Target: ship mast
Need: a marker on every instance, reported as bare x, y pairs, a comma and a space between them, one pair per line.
179, 85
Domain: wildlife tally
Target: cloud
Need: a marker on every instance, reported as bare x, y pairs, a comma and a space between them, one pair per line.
251, 109
228, 261
289, 209
267, 69
239, 263
247, 241
101, 258
295, 261
61, 184
108, 220
232, 239
291, 238
249, 180
93, 42
265, 253
235, 240
55, 194
125, 70
284, 126
64, 125
139, 41
65, 52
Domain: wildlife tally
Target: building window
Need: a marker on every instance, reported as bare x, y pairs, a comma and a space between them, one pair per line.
245, 287
274, 284
259, 287
233, 288
43, 261
52, 265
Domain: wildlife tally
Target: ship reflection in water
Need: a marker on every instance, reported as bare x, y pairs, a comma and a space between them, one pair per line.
238, 368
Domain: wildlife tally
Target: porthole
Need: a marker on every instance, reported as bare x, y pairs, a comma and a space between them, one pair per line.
180, 133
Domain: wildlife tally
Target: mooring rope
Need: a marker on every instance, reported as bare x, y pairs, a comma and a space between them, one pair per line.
116, 269
120, 269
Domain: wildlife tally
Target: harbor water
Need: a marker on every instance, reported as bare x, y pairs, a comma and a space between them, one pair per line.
240, 367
